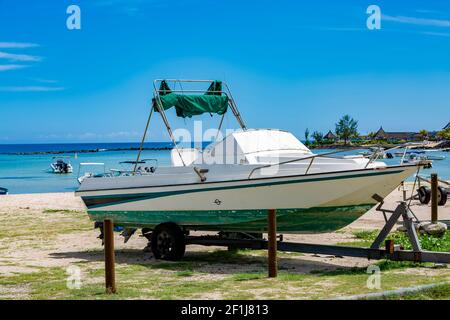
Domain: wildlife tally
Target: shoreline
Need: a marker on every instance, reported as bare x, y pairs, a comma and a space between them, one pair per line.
445, 148
82, 151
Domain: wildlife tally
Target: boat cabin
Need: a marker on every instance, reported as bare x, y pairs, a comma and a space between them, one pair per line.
252, 146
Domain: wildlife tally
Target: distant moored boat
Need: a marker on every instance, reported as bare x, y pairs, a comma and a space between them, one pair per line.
61, 166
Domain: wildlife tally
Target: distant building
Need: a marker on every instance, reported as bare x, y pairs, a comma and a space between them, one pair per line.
330, 136
395, 136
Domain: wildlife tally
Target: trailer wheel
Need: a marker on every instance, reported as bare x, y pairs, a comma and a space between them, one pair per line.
168, 242
442, 196
424, 195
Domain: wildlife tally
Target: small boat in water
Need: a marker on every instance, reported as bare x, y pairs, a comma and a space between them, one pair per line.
435, 157
84, 173
132, 167
400, 154
376, 152
61, 165
3, 191
230, 185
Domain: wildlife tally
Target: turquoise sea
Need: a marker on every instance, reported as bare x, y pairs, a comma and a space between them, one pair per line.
22, 172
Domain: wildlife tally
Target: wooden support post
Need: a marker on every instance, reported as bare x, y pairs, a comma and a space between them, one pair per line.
434, 198
272, 244
110, 277
389, 245
403, 190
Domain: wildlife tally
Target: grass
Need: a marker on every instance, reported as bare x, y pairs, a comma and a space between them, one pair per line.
240, 274
440, 292
46, 224
190, 280
61, 211
431, 243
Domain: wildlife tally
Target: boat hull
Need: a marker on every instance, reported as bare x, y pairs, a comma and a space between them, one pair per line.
320, 219
306, 203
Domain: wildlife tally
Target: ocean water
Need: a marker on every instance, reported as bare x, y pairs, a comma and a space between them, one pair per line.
30, 173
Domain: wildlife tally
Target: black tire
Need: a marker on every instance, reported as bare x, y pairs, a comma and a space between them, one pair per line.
168, 242
424, 195
442, 196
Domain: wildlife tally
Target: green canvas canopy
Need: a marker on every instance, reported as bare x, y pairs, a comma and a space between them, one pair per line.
188, 105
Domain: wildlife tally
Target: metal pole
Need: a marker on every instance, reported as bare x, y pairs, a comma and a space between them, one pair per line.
166, 122
434, 198
143, 140
110, 277
272, 243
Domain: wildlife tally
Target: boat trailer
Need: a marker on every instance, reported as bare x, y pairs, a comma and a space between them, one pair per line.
374, 252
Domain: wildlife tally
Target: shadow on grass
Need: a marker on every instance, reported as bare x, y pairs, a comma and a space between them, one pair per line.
212, 262
384, 265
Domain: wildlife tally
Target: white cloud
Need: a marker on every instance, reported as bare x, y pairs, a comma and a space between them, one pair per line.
19, 45
427, 11
117, 2
18, 57
342, 29
108, 136
6, 67
44, 80
123, 134
30, 89
439, 34
417, 21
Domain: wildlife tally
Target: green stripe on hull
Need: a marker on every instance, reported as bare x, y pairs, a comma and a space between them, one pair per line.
320, 219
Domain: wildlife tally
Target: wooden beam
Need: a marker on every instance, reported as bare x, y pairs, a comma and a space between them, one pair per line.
272, 243
110, 277
434, 198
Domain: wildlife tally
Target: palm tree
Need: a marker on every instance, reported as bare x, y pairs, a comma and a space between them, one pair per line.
372, 135
347, 128
423, 133
444, 134
317, 136
307, 136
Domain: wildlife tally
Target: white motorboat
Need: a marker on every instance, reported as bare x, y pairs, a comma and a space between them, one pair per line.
230, 185
377, 152
84, 173
61, 165
434, 157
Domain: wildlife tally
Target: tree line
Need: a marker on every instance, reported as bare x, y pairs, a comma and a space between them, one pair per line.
346, 129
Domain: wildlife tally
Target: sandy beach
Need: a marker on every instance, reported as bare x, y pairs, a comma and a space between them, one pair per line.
51, 231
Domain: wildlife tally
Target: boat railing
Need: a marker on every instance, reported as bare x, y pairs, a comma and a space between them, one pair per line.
157, 91
373, 158
406, 146
311, 158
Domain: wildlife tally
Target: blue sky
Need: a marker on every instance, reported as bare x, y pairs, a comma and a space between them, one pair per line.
290, 64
